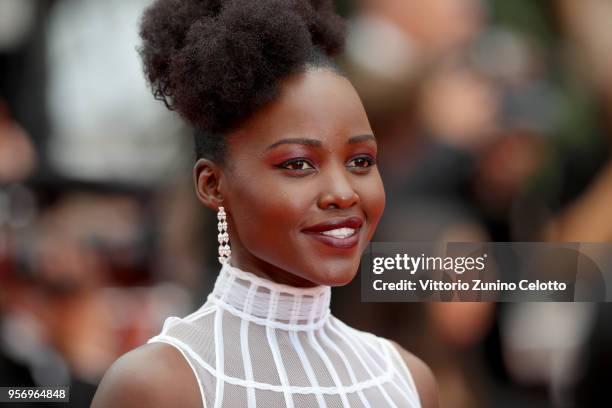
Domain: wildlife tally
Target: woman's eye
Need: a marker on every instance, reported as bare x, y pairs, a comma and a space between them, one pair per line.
298, 164
361, 162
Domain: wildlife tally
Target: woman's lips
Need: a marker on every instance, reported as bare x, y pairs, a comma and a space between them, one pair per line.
338, 233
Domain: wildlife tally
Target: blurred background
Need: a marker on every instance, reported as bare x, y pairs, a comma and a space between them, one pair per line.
494, 122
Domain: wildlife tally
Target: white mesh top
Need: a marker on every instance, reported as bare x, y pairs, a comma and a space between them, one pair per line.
257, 343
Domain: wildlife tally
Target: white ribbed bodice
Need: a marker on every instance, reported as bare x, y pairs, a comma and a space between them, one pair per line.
257, 343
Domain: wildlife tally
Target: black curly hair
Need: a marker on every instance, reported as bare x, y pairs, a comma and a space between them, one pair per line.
217, 61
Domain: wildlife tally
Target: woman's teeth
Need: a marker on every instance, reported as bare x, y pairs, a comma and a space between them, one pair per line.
339, 232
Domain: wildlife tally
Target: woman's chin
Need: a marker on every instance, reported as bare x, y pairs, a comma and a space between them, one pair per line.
336, 273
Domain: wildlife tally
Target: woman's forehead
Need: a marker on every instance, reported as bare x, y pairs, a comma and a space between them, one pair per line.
317, 104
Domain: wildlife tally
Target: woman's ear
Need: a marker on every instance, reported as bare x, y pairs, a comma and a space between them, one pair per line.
207, 177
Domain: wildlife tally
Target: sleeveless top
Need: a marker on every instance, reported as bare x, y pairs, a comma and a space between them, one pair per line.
258, 343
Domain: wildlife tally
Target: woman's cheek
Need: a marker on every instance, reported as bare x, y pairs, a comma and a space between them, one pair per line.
374, 202
270, 214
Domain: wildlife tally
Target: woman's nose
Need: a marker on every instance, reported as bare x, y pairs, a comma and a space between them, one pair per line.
338, 191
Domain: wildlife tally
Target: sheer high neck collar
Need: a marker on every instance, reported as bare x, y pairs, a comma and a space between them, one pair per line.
263, 301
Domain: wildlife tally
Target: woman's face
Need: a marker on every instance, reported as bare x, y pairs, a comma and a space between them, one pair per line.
301, 186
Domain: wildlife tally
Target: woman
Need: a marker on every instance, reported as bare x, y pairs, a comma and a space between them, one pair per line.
287, 157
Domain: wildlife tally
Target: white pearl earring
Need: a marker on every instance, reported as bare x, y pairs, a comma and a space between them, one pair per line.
224, 249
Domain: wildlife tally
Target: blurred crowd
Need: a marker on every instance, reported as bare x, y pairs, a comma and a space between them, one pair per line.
494, 123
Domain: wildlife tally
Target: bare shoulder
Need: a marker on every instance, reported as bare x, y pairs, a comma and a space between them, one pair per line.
424, 378
152, 375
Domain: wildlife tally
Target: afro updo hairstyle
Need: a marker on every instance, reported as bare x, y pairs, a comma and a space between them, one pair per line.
217, 61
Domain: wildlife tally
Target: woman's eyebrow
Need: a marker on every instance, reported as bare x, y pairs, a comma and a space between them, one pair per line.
317, 143
296, 140
360, 138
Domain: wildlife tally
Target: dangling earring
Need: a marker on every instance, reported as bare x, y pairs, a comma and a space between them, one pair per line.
224, 249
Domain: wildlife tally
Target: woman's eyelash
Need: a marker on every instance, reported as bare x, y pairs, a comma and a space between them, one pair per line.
298, 162
302, 164
369, 161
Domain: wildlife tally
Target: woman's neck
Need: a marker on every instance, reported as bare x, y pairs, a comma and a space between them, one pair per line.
258, 299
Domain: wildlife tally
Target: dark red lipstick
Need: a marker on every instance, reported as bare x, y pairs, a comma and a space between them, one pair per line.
316, 232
